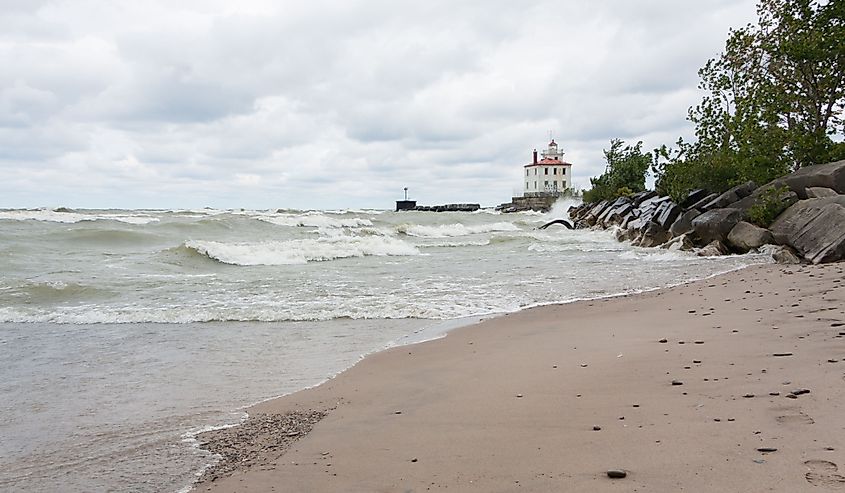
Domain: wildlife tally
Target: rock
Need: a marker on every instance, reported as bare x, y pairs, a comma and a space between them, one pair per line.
596, 428
830, 175
592, 216
666, 214
706, 200
692, 197
815, 228
683, 224
782, 354
781, 254
639, 197
677, 382
801, 391
616, 473
682, 243
654, 235
820, 192
729, 197
715, 224
767, 449
746, 236
663, 341
713, 249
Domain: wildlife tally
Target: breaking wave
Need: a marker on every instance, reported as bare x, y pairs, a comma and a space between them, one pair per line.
293, 252
452, 230
47, 215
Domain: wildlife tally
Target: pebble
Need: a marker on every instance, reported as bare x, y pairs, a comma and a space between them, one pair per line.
699, 342
596, 428
782, 354
663, 341
791, 396
414, 459
831, 360
748, 396
519, 396
767, 449
801, 391
677, 382
774, 393
829, 449
616, 473
697, 361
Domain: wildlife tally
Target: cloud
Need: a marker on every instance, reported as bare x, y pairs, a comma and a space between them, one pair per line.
330, 104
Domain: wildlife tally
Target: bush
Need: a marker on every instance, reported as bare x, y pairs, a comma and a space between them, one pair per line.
624, 174
769, 205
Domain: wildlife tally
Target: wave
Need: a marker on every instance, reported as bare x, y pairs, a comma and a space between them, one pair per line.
453, 230
35, 293
316, 221
301, 251
47, 215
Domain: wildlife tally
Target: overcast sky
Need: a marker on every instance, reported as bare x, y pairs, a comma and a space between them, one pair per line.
333, 104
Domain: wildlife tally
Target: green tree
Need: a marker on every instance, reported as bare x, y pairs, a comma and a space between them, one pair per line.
624, 174
773, 101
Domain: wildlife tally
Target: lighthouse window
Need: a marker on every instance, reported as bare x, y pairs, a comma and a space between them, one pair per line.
546, 170
535, 171
526, 172
554, 171
546, 184
563, 171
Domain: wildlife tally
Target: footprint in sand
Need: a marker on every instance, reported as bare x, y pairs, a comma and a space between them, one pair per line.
824, 473
797, 419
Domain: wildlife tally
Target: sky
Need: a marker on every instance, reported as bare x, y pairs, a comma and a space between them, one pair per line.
324, 104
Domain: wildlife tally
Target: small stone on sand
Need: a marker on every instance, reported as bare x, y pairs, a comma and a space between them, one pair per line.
677, 382
616, 473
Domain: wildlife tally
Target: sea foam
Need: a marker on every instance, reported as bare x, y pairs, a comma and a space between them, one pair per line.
301, 251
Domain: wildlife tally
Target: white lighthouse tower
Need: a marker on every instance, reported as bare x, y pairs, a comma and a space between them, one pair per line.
548, 176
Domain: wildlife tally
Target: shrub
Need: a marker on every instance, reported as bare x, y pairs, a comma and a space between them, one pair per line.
769, 205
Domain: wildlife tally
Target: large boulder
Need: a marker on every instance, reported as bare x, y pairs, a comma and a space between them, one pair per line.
682, 243
654, 235
781, 254
639, 197
592, 216
729, 197
815, 228
830, 175
713, 249
716, 224
683, 224
746, 236
693, 197
706, 200
820, 192
666, 214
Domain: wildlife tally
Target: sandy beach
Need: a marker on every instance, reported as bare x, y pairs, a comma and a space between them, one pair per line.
734, 383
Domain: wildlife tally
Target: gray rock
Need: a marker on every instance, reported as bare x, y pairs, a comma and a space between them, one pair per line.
815, 228
830, 175
820, 192
592, 216
713, 249
781, 254
666, 214
715, 224
654, 235
682, 243
706, 200
639, 197
616, 473
693, 197
746, 236
683, 224
729, 197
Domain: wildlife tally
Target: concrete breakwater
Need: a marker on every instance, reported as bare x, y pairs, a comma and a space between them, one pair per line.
410, 205
808, 222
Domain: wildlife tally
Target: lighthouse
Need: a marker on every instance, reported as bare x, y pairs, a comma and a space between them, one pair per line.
550, 175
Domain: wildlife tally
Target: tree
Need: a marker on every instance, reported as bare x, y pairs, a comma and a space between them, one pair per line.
624, 174
773, 101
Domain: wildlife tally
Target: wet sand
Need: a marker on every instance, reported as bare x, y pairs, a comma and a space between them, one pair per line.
681, 388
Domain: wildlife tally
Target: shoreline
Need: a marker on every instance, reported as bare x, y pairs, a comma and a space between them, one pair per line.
389, 370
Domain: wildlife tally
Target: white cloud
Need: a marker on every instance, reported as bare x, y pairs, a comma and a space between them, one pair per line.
328, 104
